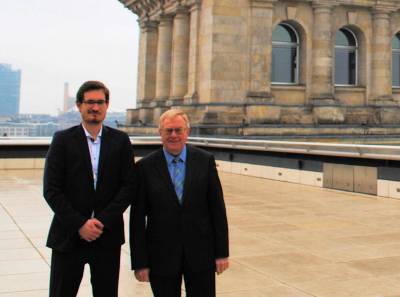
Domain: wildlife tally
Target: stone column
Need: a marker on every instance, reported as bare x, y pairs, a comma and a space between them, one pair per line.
180, 54
381, 80
326, 109
322, 89
192, 95
147, 62
164, 50
260, 50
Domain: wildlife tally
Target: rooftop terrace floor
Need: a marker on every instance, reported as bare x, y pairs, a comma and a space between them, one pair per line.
285, 239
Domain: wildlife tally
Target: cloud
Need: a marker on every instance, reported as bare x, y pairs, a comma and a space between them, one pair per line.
75, 41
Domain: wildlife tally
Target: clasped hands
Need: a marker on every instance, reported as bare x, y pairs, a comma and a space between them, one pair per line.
91, 230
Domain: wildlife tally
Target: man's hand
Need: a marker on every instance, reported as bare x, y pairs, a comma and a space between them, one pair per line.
142, 275
91, 230
221, 265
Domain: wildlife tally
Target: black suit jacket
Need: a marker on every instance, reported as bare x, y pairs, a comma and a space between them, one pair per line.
195, 232
68, 186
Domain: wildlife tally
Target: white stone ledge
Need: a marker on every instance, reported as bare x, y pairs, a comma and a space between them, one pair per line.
388, 188
304, 177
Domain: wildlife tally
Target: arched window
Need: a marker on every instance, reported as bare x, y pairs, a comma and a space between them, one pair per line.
396, 61
346, 52
285, 55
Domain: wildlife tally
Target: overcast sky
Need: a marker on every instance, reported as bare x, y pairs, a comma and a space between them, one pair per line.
53, 42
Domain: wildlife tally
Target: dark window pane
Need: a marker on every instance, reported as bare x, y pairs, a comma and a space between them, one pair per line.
341, 39
396, 69
352, 68
341, 69
396, 41
345, 38
284, 64
293, 36
345, 67
283, 33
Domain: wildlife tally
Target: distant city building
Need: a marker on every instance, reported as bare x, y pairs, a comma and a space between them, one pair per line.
10, 85
36, 125
16, 129
12, 129
69, 101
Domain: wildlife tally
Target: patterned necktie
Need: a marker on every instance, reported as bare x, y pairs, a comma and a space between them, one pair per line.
178, 178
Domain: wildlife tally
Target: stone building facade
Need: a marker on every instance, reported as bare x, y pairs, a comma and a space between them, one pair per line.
269, 67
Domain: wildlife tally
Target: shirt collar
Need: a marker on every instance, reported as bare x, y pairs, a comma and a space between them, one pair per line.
88, 135
171, 157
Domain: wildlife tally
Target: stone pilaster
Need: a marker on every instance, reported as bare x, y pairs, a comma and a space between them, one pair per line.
147, 62
180, 54
192, 95
322, 89
381, 82
164, 50
260, 50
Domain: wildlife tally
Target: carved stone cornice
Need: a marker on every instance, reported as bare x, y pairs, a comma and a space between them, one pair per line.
380, 14
180, 9
143, 7
262, 3
154, 8
386, 6
392, 5
164, 17
147, 25
383, 9
324, 4
193, 5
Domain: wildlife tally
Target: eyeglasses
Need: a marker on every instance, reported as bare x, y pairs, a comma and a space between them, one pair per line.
177, 131
92, 102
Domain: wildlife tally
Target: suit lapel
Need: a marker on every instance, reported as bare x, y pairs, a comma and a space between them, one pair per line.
161, 164
81, 142
104, 147
190, 173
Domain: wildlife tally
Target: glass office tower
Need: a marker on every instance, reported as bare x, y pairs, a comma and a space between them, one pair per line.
10, 85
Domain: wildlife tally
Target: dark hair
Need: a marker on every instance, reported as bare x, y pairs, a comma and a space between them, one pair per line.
91, 85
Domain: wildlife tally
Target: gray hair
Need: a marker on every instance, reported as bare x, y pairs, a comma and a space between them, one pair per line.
172, 113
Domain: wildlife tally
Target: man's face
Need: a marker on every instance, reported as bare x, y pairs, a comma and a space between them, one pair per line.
94, 107
174, 134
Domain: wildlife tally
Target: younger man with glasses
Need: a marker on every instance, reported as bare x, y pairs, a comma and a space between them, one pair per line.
178, 224
88, 185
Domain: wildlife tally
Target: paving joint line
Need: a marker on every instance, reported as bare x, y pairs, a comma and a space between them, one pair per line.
25, 235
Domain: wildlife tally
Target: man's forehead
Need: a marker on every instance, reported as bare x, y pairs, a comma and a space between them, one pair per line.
176, 120
96, 93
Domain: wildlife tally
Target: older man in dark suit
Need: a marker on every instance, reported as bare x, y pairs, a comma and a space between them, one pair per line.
179, 225
88, 184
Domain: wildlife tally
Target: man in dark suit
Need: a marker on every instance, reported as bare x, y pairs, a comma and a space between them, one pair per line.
178, 224
88, 184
